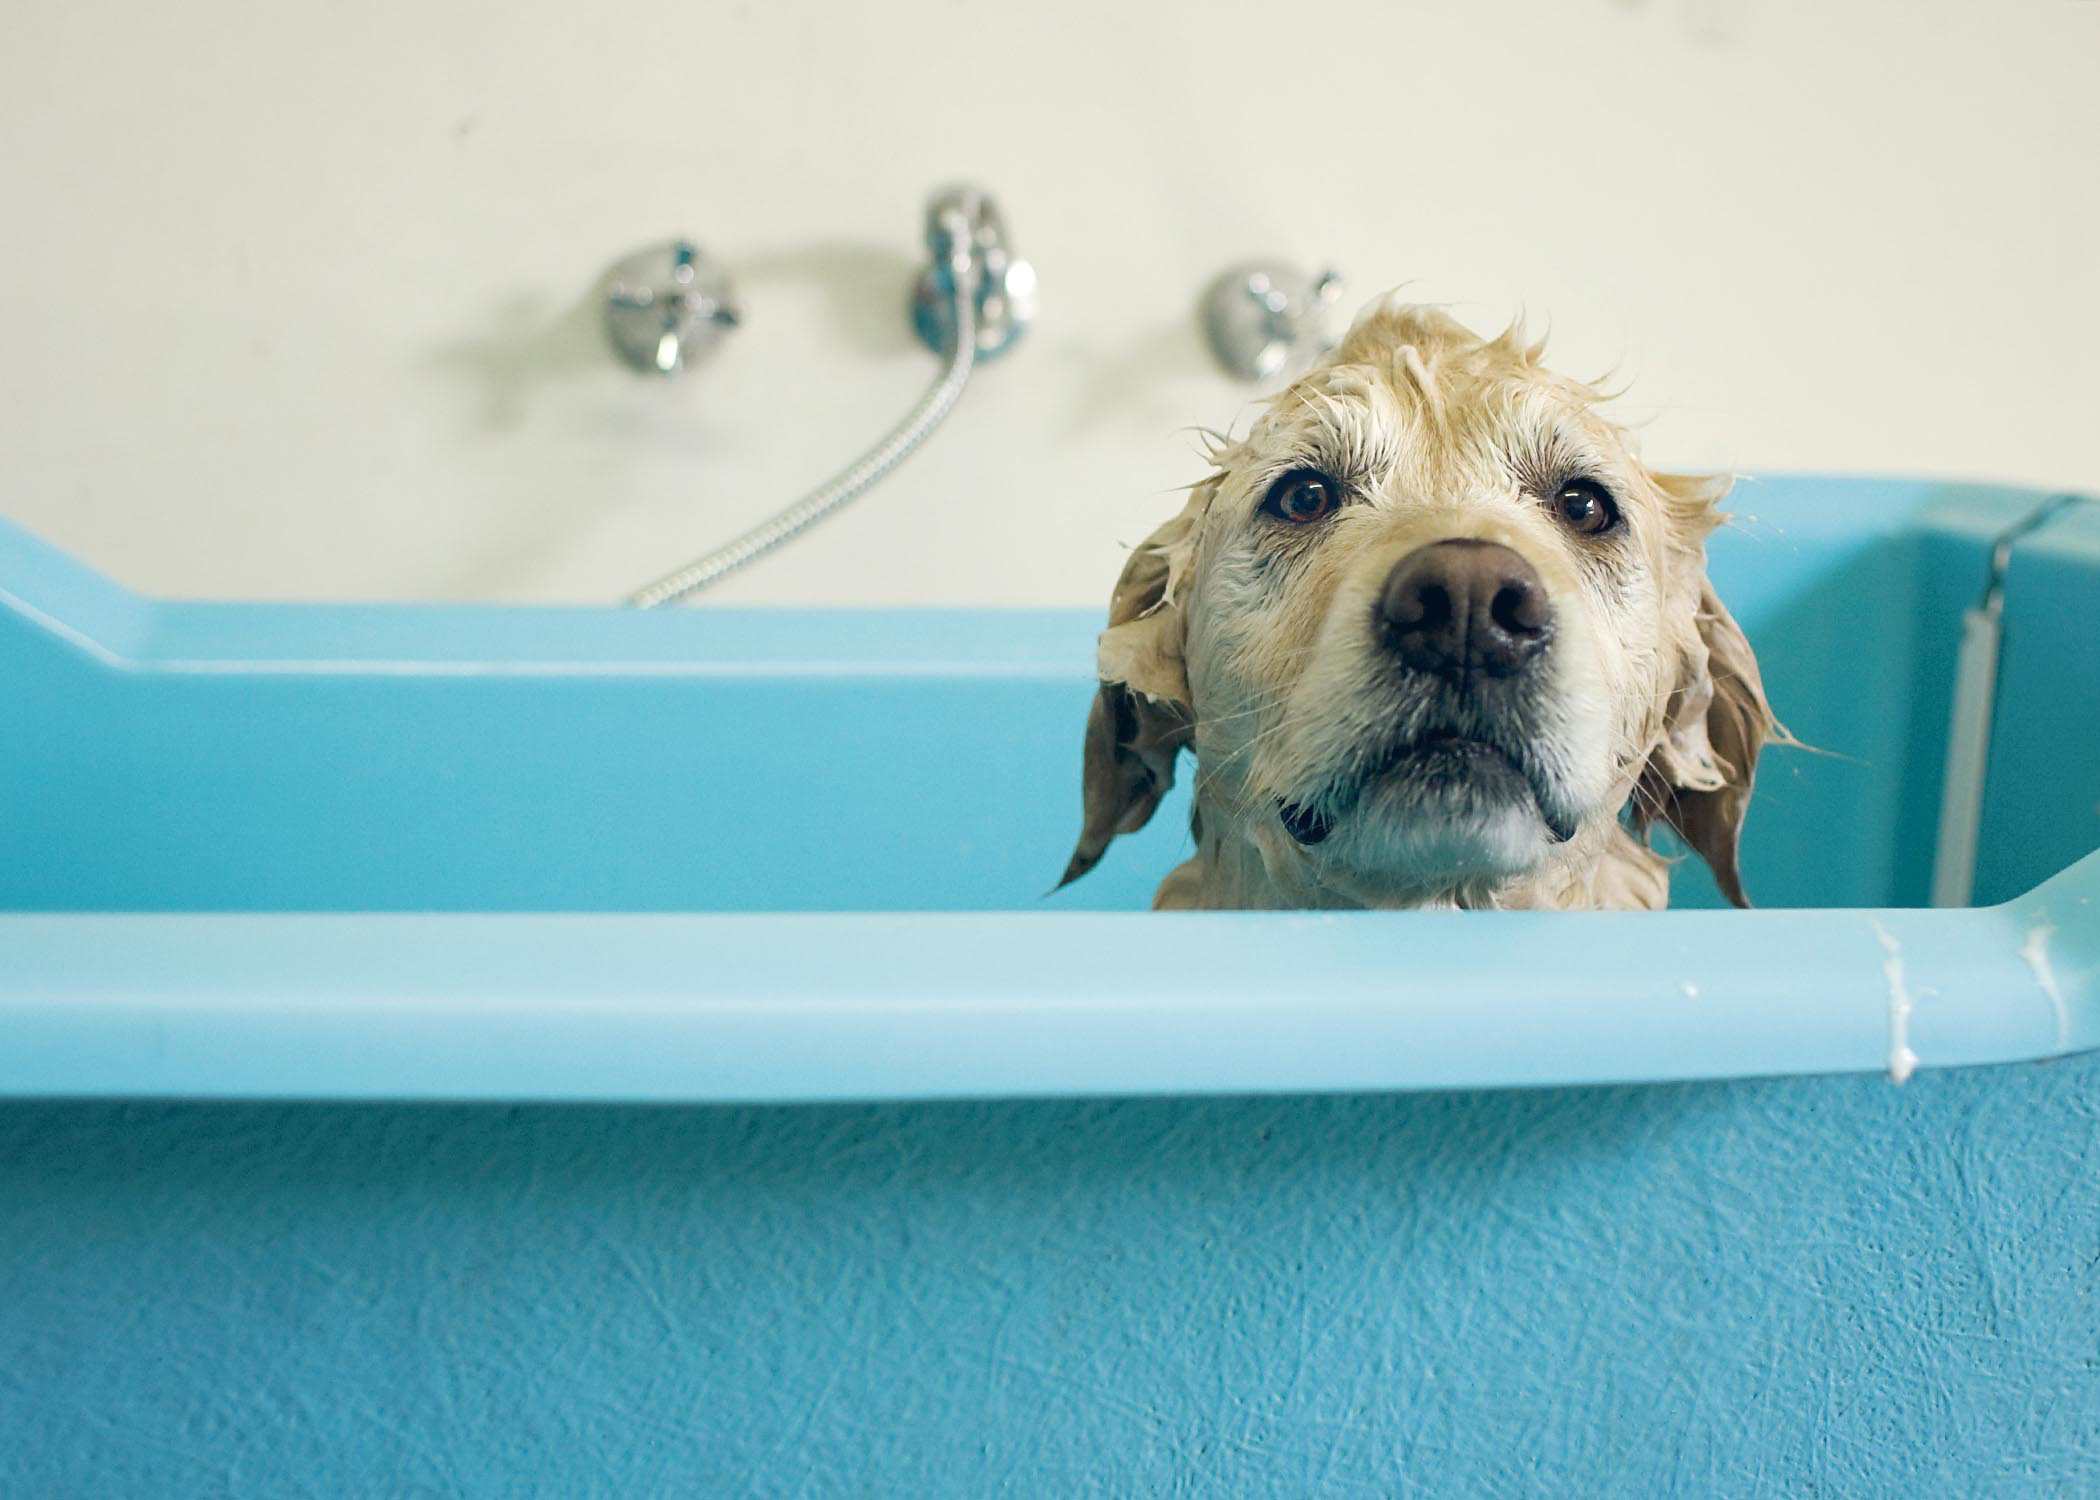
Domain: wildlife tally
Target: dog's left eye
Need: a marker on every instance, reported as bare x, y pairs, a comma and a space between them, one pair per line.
1586, 506
1302, 497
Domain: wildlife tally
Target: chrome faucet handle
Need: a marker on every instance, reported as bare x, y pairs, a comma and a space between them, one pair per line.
1264, 317
966, 238
667, 305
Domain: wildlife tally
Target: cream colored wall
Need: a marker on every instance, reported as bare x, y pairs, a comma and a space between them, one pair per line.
291, 295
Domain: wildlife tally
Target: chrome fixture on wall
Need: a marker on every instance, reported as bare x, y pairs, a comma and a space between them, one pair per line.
667, 305
1265, 317
974, 299
1005, 302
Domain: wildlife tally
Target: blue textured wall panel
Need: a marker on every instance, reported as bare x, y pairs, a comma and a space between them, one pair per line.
1803, 1287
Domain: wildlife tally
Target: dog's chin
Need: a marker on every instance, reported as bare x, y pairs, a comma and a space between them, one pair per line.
1452, 838
1440, 838
1443, 815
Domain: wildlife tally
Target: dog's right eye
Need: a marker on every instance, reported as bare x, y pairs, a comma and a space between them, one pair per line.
1302, 497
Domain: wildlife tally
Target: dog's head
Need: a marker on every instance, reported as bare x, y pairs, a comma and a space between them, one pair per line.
1433, 633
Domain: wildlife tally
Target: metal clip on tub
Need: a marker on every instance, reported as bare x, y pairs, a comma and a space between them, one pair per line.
1975, 704
973, 301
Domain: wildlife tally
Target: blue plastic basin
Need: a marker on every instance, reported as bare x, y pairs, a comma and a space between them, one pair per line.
747, 859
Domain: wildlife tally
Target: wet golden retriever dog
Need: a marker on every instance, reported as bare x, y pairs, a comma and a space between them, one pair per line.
1436, 639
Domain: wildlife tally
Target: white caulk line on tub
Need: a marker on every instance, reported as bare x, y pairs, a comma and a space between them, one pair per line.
1902, 1061
2036, 951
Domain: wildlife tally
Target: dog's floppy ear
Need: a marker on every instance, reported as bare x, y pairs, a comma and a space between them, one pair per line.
1699, 776
1141, 717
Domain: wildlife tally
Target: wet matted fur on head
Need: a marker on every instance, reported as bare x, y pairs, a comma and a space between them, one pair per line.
1435, 637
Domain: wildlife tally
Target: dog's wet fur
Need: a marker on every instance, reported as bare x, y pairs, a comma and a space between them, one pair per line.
1435, 637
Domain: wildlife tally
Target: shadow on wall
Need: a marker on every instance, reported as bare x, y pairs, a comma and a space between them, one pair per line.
529, 350
1149, 376
524, 347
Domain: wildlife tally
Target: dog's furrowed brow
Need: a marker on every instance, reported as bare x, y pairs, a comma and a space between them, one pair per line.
1345, 424
1542, 449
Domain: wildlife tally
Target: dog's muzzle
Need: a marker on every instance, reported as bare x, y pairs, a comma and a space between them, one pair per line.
1472, 617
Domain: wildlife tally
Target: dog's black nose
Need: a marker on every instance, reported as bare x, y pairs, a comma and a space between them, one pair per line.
1459, 607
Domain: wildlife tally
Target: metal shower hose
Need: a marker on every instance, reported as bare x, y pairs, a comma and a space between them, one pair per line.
857, 479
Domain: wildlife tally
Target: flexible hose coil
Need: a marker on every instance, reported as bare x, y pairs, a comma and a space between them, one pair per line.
857, 479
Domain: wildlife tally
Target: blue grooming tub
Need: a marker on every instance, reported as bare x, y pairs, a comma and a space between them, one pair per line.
351, 956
